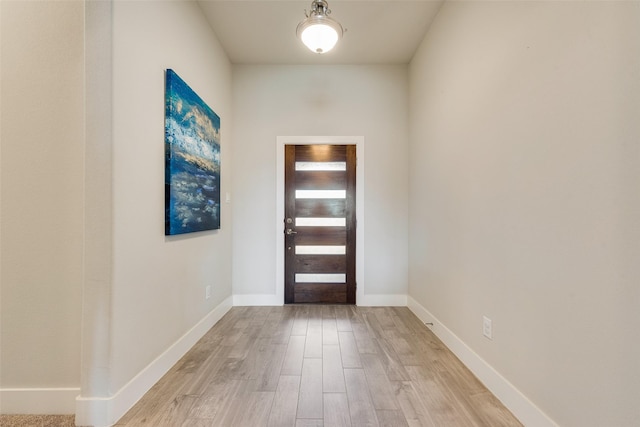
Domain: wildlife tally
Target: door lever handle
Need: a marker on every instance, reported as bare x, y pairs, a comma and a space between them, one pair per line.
290, 231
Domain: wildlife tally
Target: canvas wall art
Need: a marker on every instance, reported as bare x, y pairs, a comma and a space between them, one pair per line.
192, 160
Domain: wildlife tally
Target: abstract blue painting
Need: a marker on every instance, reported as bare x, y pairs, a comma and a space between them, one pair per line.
192, 160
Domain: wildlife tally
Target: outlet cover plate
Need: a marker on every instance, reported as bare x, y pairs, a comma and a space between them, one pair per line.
487, 327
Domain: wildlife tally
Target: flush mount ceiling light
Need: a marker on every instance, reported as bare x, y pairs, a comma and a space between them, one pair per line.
317, 31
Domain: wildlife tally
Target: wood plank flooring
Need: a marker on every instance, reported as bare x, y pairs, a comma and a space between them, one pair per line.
309, 365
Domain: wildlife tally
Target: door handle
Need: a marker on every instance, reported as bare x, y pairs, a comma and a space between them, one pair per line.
290, 231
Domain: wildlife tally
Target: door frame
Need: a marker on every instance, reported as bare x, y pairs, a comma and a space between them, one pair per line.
281, 141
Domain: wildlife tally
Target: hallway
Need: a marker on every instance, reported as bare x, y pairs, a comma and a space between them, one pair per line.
303, 365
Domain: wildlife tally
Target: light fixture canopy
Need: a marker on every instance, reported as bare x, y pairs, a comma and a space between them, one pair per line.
318, 31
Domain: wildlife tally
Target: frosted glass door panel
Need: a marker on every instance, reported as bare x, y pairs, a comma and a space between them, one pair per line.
321, 250
321, 166
321, 222
321, 194
320, 278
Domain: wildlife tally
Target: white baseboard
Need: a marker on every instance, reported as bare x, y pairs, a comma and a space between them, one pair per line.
382, 300
38, 401
525, 410
104, 412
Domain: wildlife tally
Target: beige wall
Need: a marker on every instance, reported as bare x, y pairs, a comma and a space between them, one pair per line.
149, 292
369, 101
159, 282
525, 194
42, 131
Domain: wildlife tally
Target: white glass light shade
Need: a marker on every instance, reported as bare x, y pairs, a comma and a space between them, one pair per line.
319, 33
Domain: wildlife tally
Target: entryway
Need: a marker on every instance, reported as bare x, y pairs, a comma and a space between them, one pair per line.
320, 224
328, 208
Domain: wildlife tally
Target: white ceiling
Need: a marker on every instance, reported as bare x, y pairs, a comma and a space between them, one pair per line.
264, 31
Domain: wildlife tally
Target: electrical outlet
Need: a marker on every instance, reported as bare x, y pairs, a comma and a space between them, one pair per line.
207, 292
487, 328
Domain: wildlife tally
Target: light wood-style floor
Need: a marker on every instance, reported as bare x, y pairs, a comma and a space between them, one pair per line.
304, 365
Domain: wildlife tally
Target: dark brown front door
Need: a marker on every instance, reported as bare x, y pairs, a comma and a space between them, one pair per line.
320, 224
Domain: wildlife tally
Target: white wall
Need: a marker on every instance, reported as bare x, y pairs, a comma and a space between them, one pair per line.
159, 282
369, 101
42, 131
525, 194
